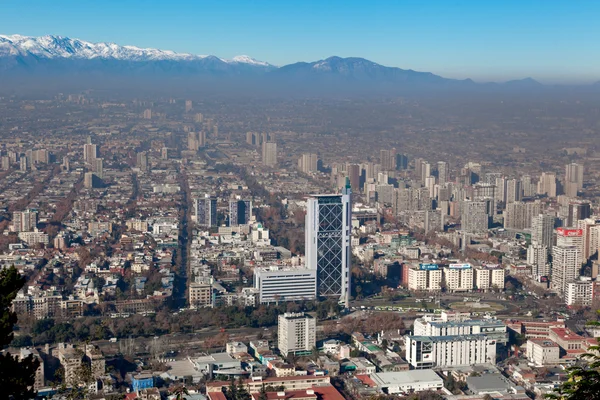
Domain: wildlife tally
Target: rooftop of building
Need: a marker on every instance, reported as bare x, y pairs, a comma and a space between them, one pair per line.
469, 322
567, 334
384, 379
449, 338
543, 342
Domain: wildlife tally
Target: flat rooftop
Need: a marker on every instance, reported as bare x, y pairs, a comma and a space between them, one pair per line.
385, 379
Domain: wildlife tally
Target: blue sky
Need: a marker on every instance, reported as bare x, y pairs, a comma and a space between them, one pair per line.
551, 40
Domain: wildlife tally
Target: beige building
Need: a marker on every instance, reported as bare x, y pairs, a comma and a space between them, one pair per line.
200, 295
423, 279
459, 277
543, 352
296, 333
39, 373
269, 154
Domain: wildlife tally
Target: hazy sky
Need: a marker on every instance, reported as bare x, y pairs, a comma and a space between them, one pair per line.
550, 40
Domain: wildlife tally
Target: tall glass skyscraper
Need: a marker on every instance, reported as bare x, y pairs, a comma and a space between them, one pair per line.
328, 226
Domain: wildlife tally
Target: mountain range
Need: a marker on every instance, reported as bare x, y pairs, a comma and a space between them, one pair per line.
65, 58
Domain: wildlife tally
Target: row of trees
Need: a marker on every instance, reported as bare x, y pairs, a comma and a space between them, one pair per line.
163, 322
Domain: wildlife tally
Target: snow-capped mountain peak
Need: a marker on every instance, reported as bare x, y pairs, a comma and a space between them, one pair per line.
249, 60
52, 47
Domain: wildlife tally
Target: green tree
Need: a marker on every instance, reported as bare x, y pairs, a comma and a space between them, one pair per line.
180, 392
232, 391
16, 376
242, 392
584, 379
262, 395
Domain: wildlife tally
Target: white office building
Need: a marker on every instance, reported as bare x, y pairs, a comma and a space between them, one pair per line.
424, 352
580, 292
566, 267
537, 257
327, 241
296, 333
276, 284
493, 328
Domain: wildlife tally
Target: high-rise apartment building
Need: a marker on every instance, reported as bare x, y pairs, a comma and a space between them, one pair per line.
240, 211
98, 167
388, 160
474, 216
353, 171
188, 106
542, 230
24, 221
90, 153
442, 169
571, 237
308, 163
296, 333
573, 179
566, 266
518, 215
537, 257
578, 210
142, 161
514, 192
327, 241
206, 211
547, 184
269, 154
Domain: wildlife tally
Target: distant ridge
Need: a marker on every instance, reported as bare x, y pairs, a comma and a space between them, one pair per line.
77, 61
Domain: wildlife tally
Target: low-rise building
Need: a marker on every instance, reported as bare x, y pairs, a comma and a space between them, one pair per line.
405, 382
285, 284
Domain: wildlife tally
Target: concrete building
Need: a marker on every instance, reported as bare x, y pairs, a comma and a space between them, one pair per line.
308, 163
269, 154
327, 241
537, 257
543, 352
443, 173
24, 221
296, 333
547, 184
566, 237
474, 216
90, 153
493, 328
573, 179
459, 277
40, 380
35, 237
449, 351
206, 211
425, 278
142, 161
565, 267
276, 284
579, 292
408, 381
542, 230
518, 215
200, 295
488, 277
240, 211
